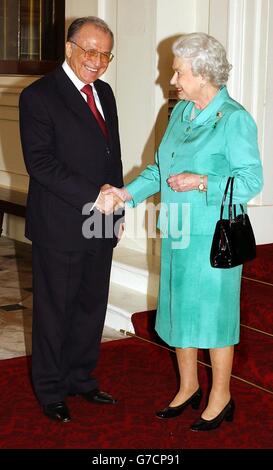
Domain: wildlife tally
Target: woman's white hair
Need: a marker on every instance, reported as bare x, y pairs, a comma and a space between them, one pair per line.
207, 56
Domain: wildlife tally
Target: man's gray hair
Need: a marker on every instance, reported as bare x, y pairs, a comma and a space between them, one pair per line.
77, 24
207, 56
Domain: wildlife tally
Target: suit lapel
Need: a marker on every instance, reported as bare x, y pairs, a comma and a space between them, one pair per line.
73, 99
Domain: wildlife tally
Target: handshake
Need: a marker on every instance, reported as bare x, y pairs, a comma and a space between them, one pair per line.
111, 199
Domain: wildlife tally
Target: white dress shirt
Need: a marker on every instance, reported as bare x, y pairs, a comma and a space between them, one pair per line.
79, 85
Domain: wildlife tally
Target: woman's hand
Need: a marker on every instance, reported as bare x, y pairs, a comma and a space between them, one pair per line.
121, 193
185, 182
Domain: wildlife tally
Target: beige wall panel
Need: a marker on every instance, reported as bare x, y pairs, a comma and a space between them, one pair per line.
14, 228
107, 10
12, 168
77, 8
135, 46
218, 20
15, 181
202, 13
135, 86
11, 159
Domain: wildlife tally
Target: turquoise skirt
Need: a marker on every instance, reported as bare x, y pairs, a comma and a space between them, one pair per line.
198, 306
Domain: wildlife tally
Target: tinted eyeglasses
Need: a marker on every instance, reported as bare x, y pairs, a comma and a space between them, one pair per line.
105, 57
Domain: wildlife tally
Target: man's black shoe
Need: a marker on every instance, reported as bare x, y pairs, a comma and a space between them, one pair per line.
57, 411
97, 396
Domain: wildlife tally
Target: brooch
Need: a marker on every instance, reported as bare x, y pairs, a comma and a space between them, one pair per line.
219, 115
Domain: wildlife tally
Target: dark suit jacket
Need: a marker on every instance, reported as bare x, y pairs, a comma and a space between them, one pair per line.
67, 158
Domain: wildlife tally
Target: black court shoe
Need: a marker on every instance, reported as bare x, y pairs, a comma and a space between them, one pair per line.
173, 411
207, 425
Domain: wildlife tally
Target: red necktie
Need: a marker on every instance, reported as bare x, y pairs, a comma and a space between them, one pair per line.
88, 90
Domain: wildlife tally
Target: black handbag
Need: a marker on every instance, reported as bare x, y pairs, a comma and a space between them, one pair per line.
233, 240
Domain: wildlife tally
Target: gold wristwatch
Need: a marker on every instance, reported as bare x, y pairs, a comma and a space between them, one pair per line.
201, 185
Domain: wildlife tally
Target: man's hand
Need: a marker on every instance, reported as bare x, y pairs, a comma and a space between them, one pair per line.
121, 193
108, 203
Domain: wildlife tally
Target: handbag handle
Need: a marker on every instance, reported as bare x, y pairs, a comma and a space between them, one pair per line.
231, 206
224, 197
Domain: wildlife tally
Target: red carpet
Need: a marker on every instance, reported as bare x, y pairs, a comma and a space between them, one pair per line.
257, 305
143, 377
262, 266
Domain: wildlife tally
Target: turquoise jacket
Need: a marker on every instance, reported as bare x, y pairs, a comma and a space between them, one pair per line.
220, 142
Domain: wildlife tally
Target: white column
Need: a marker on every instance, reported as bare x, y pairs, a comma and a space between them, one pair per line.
249, 50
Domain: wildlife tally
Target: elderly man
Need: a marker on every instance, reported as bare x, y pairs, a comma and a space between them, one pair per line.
70, 141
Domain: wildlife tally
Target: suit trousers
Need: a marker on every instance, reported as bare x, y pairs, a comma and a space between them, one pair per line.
70, 293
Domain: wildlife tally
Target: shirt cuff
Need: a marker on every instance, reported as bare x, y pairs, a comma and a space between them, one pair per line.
92, 208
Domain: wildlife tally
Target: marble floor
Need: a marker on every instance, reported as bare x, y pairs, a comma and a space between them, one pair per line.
16, 300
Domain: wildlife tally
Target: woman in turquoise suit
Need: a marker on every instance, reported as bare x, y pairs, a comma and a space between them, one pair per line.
209, 138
